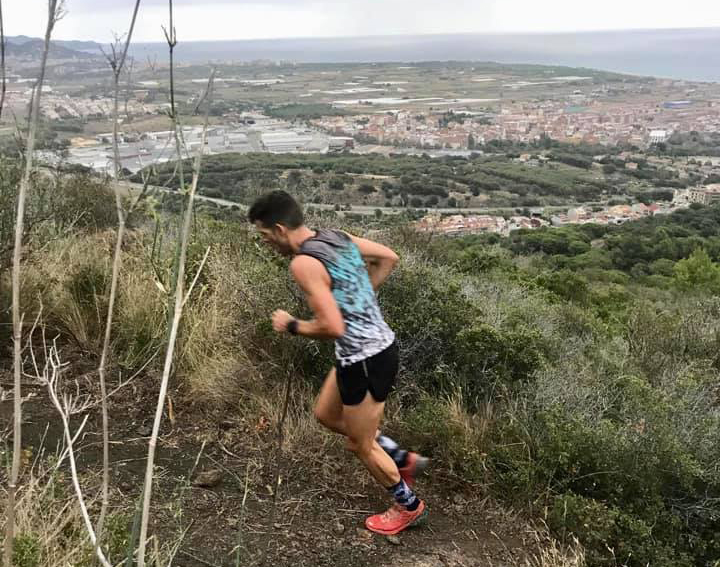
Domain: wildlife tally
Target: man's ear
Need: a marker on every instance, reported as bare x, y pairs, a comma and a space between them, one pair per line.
280, 229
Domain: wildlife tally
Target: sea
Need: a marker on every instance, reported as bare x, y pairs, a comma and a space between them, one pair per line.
689, 54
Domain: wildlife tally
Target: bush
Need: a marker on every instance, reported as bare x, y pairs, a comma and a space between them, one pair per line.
336, 184
625, 539
427, 309
26, 551
486, 356
445, 430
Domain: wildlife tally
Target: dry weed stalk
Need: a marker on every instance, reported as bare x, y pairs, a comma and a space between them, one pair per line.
180, 296
66, 407
2, 61
47, 515
116, 60
55, 13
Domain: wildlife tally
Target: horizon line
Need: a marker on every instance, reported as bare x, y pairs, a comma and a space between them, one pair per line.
421, 34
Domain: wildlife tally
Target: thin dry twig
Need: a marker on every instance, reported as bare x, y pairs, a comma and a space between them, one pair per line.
281, 437
2, 61
197, 275
172, 338
116, 63
55, 12
51, 375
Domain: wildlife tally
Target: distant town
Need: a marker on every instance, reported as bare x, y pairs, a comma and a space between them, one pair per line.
462, 225
579, 118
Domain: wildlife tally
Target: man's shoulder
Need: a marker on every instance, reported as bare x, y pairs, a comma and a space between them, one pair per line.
325, 244
304, 262
307, 270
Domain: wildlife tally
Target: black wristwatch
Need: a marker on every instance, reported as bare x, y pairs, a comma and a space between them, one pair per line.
292, 327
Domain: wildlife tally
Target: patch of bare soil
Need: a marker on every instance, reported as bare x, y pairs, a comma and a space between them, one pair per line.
215, 484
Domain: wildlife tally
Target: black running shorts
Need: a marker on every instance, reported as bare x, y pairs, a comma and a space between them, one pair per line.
375, 375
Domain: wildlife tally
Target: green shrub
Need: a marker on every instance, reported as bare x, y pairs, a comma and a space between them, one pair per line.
444, 429
427, 309
486, 355
26, 550
610, 536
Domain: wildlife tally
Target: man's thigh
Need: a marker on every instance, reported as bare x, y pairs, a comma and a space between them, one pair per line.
363, 420
329, 405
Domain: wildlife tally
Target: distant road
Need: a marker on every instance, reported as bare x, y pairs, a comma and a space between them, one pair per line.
134, 188
355, 209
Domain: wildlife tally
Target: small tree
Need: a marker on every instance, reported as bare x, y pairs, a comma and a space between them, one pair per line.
367, 188
609, 169
294, 179
336, 184
697, 273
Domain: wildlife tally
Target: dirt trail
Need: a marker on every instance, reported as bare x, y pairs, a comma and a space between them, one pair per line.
322, 503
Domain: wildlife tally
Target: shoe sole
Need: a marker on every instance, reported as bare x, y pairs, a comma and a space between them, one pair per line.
419, 521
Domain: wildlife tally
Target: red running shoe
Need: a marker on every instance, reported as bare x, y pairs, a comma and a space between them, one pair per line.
414, 465
396, 519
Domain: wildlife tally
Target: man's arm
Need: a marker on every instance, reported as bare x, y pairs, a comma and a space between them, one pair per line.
379, 258
313, 279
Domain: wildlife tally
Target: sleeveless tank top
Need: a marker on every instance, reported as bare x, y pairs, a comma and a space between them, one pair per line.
366, 332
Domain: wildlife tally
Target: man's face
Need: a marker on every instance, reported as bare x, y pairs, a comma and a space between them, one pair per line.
276, 237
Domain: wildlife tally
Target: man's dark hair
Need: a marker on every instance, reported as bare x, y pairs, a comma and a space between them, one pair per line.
277, 207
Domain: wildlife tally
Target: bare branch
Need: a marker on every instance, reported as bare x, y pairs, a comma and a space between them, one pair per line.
197, 275
52, 371
2, 61
55, 10
117, 65
121, 62
175, 324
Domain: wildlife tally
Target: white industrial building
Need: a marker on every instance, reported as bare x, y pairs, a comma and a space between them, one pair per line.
659, 136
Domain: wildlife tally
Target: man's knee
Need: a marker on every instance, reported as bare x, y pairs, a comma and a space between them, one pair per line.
362, 449
321, 415
325, 418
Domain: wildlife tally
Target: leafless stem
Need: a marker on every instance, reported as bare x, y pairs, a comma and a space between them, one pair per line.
116, 63
197, 275
177, 315
55, 12
2, 61
241, 520
51, 375
281, 438
127, 89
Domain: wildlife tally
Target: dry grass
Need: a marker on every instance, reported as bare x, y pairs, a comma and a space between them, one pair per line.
44, 517
553, 554
140, 322
68, 279
50, 530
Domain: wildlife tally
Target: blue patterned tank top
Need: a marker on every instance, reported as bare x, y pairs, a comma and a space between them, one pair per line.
366, 332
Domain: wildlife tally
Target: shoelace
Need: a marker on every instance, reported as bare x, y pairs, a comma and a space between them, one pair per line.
391, 512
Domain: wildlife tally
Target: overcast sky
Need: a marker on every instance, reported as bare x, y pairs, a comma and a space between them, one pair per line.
247, 19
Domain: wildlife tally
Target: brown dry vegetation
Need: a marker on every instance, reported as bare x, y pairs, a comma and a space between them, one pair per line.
225, 404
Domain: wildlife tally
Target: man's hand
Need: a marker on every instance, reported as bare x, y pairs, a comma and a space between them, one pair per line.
280, 320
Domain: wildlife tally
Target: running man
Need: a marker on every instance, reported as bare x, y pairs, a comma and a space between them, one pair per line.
339, 275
